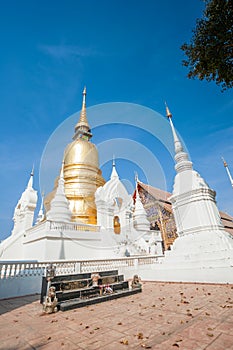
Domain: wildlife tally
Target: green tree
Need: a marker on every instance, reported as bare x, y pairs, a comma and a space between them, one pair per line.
210, 52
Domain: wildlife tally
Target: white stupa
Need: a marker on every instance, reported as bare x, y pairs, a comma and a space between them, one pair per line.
141, 223
203, 248
59, 209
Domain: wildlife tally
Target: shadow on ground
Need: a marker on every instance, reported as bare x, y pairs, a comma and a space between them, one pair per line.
7, 305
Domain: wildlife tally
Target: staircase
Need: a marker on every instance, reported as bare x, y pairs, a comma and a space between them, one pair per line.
77, 290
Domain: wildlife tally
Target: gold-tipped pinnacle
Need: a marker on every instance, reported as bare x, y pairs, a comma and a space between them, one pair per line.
224, 162
168, 113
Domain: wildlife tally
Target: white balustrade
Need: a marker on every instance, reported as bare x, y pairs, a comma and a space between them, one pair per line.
14, 269
60, 226
18, 278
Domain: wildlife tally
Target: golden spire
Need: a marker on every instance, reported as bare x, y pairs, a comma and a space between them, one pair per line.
83, 115
168, 113
82, 127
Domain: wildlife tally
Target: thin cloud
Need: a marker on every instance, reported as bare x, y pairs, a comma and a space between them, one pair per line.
67, 51
221, 133
225, 107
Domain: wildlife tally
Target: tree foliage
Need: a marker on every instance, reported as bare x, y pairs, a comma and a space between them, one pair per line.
210, 52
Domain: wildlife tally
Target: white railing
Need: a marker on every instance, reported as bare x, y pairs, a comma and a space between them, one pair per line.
26, 269
60, 226
118, 263
17, 269
20, 269
19, 278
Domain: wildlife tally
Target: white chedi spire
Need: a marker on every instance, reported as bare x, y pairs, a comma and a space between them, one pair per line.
228, 171
41, 215
30, 181
138, 209
202, 245
140, 220
114, 174
59, 209
24, 210
181, 157
30, 195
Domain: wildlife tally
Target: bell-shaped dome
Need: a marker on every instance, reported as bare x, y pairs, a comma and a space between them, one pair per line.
82, 175
81, 152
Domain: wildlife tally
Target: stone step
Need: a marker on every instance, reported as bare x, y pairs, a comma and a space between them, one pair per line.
89, 291
78, 302
82, 280
77, 284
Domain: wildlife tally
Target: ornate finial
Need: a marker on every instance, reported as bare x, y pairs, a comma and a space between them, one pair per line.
224, 162
32, 172
228, 171
84, 96
30, 182
114, 174
168, 113
136, 177
82, 128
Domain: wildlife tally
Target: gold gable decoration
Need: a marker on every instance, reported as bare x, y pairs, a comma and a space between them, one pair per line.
159, 212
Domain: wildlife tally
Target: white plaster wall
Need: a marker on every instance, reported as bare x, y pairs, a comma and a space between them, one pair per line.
20, 286
12, 247
219, 274
35, 250
70, 245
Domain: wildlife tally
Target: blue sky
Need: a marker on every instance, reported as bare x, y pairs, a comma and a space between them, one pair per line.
123, 51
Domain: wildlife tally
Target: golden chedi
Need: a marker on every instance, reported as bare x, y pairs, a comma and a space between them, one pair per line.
82, 175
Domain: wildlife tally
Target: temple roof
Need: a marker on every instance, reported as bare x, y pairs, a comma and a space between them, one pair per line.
156, 192
159, 195
163, 198
227, 221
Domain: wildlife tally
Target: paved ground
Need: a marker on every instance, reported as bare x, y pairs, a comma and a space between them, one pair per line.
164, 316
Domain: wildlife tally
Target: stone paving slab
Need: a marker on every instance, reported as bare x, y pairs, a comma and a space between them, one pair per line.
164, 316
